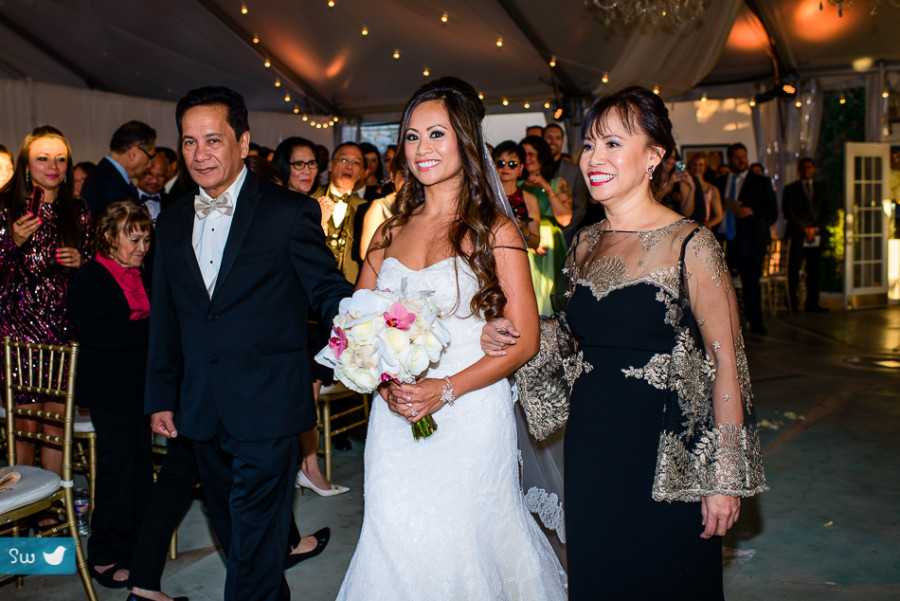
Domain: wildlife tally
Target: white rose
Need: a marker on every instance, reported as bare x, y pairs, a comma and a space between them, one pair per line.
417, 360
365, 332
357, 378
431, 344
396, 341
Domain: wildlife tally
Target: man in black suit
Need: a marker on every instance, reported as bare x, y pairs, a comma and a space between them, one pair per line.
151, 186
751, 199
237, 268
131, 149
805, 215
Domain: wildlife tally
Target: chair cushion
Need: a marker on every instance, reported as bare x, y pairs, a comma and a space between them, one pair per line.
35, 485
82, 422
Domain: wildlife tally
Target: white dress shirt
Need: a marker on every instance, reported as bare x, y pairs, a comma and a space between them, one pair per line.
211, 233
340, 208
151, 201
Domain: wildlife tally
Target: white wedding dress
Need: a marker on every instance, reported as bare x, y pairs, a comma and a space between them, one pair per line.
444, 516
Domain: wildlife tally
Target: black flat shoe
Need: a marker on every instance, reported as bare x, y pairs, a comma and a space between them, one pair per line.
136, 597
106, 578
321, 537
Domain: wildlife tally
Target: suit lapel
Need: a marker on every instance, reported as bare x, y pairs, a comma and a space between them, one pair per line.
247, 204
184, 237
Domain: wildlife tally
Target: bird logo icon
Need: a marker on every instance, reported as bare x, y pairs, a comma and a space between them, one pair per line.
55, 558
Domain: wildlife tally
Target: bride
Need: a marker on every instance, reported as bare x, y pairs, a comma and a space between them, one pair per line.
444, 516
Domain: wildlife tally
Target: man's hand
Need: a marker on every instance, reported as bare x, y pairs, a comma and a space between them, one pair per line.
163, 423
743, 212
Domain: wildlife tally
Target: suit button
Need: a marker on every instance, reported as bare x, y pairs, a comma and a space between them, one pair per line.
213, 360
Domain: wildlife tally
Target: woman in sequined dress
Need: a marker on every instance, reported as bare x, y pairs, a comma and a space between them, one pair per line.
40, 248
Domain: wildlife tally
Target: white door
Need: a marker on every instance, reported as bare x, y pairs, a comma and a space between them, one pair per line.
868, 211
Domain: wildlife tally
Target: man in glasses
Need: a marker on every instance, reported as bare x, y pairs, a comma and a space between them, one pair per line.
343, 210
131, 151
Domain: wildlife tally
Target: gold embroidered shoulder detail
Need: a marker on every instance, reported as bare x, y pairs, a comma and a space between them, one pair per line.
604, 275
651, 238
705, 244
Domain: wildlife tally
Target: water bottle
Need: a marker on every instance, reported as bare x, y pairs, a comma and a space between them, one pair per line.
82, 511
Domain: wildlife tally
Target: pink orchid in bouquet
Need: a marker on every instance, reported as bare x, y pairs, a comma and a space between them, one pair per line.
381, 336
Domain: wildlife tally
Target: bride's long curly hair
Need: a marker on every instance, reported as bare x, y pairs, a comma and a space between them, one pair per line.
476, 213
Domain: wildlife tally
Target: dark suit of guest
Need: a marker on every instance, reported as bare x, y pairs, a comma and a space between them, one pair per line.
111, 368
747, 250
573, 176
804, 208
234, 366
105, 185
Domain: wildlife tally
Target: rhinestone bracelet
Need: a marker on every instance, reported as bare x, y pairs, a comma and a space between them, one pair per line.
447, 393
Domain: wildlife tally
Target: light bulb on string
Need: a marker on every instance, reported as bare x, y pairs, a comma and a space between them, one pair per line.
843, 99
255, 39
797, 103
480, 95
277, 83
365, 31
318, 126
305, 117
287, 97
330, 3
752, 103
553, 61
267, 64
244, 10
335, 119
546, 105
313, 122
885, 94
656, 90
396, 54
605, 78
426, 72
527, 105
444, 18
500, 42
296, 110
505, 102
703, 98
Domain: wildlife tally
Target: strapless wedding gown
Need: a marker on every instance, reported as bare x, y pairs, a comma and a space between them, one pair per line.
444, 516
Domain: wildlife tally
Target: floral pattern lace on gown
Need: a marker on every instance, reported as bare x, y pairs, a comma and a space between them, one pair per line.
445, 518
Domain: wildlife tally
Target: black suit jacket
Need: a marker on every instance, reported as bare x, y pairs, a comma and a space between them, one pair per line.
240, 357
795, 208
105, 185
112, 361
752, 233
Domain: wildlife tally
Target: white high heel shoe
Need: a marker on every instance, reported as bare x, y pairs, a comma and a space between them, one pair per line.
303, 482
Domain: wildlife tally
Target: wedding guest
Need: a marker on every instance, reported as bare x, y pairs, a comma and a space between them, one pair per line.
80, 173
805, 215
555, 203
151, 186
534, 130
41, 244
131, 149
565, 169
295, 160
509, 158
664, 414
172, 174
230, 342
109, 308
711, 201
369, 186
6, 165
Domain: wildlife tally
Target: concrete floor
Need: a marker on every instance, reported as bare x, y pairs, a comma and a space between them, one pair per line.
827, 390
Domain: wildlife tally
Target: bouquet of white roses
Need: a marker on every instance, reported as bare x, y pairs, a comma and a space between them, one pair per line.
379, 336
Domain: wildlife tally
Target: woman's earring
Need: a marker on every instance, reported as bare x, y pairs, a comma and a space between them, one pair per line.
650, 172
27, 177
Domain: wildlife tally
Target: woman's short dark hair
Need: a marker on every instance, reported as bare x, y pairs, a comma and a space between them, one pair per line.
639, 110
85, 166
544, 155
121, 216
212, 95
368, 148
509, 146
282, 159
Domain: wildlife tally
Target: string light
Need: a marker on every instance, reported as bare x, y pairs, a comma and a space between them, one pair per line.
500, 42
480, 95
546, 105
396, 54
330, 3
703, 98
605, 78
505, 102
365, 31
426, 72
313, 122
267, 64
553, 61
318, 126
287, 97
277, 83
843, 99
335, 119
305, 117
296, 110
527, 105
656, 90
255, 39
798, 104
444, 17
243, 9
752, 102
885, 94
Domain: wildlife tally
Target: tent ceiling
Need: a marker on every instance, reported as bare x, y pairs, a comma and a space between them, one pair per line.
161, 48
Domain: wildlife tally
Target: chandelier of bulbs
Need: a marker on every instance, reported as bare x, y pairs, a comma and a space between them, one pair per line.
675, 12
843, 5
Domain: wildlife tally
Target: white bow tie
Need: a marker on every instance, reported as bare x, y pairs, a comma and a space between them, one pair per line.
203, 206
